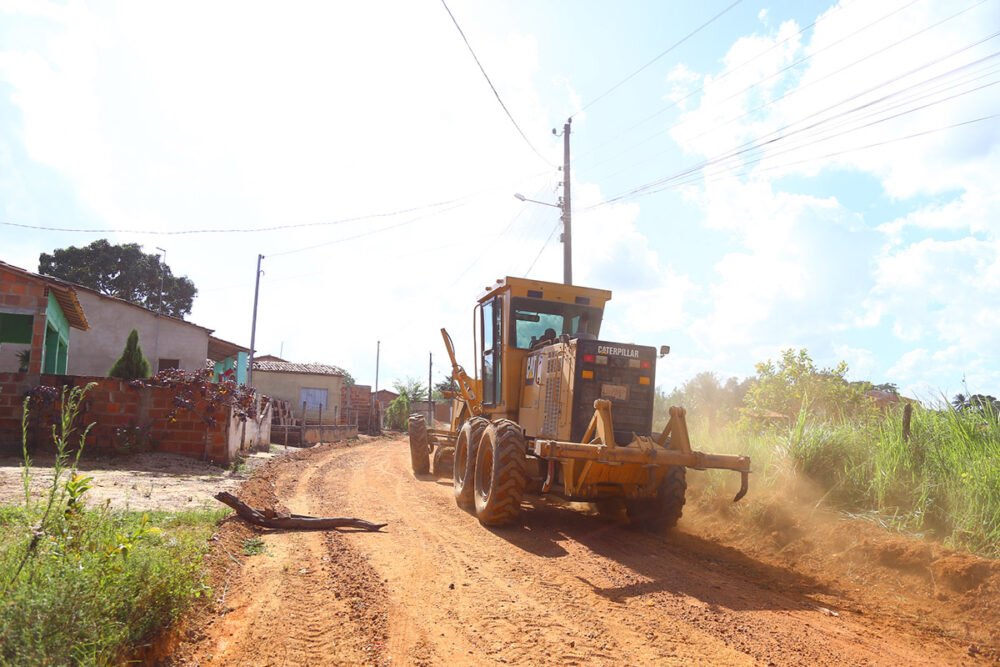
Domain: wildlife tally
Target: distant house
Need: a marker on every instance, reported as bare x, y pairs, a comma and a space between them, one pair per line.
37, 314
167, 341
385, 397
313, 390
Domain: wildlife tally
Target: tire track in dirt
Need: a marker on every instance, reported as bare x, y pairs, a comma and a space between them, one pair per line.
309, 599
566, 588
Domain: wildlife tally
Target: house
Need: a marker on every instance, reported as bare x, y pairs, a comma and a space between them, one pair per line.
166, 341
384, 397
313, 390
37, 314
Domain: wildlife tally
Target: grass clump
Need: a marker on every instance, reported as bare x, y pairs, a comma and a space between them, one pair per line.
81, 586
253, 546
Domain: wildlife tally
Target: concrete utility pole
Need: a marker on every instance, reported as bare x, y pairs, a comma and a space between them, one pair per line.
159, 313
567, 212
430, 389
253, 327
375, 402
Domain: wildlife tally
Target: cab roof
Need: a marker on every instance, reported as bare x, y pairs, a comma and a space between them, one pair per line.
546, 291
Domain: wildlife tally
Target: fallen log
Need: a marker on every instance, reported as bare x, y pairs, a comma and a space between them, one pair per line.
268, 519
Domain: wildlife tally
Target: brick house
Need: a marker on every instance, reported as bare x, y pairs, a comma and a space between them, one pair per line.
36, 314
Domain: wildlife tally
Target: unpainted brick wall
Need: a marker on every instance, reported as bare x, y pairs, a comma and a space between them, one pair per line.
111, 404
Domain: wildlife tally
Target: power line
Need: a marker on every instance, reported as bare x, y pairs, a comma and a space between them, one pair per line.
701, 88
492, 87
671, 48
544, 246
251, 230
361, 235
774, 74
777, 135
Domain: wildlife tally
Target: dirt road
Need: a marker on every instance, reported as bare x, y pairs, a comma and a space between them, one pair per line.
561, 588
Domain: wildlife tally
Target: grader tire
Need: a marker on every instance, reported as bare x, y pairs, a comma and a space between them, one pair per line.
419, 451
465, 460
443, 461
663, 511
501, 473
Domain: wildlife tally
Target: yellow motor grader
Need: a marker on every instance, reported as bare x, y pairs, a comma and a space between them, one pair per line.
552, 408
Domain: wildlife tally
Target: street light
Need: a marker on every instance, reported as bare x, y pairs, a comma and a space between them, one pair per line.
518, 195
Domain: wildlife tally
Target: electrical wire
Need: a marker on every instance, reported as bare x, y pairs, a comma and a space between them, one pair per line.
544, 245
361, 235
803, 86
492, 87
760, 143
701, 88
252, 230
671, 48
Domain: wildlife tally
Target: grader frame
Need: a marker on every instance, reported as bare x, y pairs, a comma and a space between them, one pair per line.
529, 431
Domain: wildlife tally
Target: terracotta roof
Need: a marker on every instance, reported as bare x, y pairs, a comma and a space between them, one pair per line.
270, 366
63, 292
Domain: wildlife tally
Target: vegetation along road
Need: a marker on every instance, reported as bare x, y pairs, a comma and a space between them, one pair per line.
567, 586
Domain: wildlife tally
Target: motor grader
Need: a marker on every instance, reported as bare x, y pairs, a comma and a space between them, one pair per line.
553, 409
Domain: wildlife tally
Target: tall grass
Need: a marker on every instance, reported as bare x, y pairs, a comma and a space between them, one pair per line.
81, 586
944, 480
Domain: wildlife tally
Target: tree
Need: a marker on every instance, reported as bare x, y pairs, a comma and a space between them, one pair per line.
794, 382
122, 271
131, 365
410, 393
348, 379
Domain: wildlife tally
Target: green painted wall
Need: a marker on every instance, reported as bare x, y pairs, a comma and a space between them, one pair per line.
56, 343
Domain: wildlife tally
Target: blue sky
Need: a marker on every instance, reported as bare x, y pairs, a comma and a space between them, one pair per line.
862, 224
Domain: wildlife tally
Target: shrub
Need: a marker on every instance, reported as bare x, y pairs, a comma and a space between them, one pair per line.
131, 365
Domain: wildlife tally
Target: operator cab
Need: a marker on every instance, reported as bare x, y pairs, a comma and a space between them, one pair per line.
517, 316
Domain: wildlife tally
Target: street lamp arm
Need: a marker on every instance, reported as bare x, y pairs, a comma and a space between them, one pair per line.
518, 195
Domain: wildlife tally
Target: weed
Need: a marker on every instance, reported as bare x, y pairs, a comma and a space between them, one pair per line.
81, 585
253, 546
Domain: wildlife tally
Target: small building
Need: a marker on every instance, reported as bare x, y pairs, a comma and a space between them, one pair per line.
166, 341
313, 390
36, 315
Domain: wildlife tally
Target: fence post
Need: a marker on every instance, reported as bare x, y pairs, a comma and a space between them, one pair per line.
907, 413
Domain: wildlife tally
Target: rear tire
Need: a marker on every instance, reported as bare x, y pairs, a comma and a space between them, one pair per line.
501, 473
465, 460
664, 510
444, 461
419, 451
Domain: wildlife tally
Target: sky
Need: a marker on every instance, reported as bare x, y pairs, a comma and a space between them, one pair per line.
746, 176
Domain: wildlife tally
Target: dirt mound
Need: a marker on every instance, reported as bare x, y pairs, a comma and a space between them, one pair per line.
905, 580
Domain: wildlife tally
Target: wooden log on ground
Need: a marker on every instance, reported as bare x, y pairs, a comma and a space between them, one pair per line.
291, 521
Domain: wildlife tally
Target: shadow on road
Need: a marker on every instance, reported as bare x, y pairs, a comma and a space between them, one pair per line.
676, 562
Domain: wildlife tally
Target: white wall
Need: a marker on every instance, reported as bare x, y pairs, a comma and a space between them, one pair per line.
93, 352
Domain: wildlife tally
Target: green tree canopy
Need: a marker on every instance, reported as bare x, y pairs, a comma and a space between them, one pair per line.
122, 271
410, 393
131, 365
794, 381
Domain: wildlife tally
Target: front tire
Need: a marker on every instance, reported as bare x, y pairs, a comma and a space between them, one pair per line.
419, 451
465, 460
663, 511
501, 473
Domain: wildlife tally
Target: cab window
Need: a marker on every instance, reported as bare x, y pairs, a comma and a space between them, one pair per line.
534, 321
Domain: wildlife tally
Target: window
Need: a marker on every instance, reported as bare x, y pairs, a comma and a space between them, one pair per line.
491, 324
534, 321
169, 363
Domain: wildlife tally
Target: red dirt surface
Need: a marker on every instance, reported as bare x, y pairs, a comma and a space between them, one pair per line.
567, 587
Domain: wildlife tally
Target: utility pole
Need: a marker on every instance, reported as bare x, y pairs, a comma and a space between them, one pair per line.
430, 403
375, 404
567, 212
253, 327
159, 312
